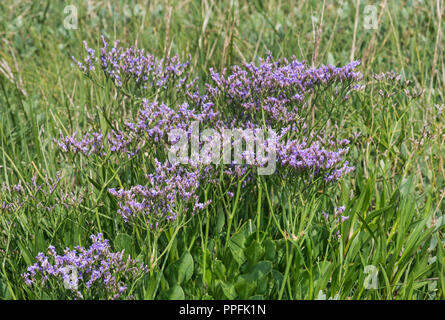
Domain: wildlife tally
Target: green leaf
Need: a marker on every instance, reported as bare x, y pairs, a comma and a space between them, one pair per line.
181, 270
228, 290
175, 293
259, 271
124, 241
220, 220
4, 292
219, 270
253, 252
270, 251
256, 297
185, 267
25, 253
441, 265
40, 242
237, 244
244, 287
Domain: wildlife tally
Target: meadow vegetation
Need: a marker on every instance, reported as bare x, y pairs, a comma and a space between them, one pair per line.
91, 208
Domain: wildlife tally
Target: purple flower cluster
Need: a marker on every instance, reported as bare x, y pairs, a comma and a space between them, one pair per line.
88, 65
156, 119
171, 191
316, 158
338, 217
135, 67
276, 89
272, 95
92, 271
275, 93
46, 195
91, 143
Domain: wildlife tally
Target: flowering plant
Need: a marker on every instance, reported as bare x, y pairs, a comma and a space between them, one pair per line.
95, 272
